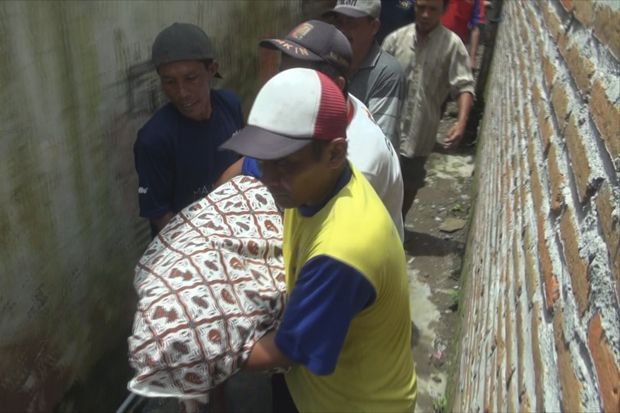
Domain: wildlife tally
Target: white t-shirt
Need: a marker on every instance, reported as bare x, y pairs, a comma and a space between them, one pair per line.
373, 154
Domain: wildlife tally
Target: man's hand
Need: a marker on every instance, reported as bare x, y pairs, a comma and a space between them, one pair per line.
454, 136
266, 355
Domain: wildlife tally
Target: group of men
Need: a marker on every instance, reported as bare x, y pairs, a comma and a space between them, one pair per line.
340, 137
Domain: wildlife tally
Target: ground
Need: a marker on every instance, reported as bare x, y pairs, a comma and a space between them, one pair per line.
436, 228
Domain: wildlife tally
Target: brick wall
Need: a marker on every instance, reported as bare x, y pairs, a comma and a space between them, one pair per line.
541, 327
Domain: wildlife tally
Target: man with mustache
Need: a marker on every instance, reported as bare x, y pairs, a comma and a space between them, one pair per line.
346, 329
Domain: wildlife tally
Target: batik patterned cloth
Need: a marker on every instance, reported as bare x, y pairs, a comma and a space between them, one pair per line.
209, 286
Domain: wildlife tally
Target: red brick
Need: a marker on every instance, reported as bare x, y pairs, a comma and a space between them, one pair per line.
607, 29
610, 229
551, 19
606, 116
570, 385
567, 4
531, 266
549, 71
552, 289
539, 383
545, 127
584, 12
580, 67
577, 266
559, 100
556, 180
532, 18
577, 153
606, 367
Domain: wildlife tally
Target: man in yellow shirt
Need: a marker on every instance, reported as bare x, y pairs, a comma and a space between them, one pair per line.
346, 330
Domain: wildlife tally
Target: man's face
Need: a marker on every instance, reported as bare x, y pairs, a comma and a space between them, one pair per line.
360, 31
427, 14
187, 86
297, 179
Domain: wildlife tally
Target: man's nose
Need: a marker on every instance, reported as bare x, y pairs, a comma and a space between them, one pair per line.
184, 91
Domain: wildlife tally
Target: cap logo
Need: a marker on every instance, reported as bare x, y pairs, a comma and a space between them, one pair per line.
347, 3
301, 31
298, 50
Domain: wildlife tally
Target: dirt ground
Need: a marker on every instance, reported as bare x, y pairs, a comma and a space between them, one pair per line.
436, 231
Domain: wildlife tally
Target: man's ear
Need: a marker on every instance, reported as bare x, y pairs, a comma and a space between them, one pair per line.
341, 82
376, 25
213, 68
337, 152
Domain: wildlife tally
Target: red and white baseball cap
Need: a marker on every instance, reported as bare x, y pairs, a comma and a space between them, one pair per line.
292, 108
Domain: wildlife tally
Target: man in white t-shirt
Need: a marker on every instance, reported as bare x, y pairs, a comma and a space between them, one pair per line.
321, 46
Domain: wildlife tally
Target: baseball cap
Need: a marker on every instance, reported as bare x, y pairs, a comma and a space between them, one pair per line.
293, 108
181, 41
357, 8
315, 41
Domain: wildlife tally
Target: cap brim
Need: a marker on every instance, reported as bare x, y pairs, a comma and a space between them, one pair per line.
291, 49
347, 11
262, 144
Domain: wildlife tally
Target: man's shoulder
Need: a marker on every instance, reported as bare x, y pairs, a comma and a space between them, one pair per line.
400, 33
159, 125
225, 97
389, 64
363, 126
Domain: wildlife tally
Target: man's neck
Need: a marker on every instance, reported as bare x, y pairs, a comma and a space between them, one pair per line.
357, 61
423, 35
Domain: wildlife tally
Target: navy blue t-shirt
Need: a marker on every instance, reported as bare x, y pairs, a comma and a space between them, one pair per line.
177, 158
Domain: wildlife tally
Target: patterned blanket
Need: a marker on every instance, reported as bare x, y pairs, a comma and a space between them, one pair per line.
209, 286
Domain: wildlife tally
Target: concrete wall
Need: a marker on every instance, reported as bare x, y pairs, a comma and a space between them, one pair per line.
75, 87
541, 328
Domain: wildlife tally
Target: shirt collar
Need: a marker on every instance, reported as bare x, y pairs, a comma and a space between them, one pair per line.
429, 36
345, 177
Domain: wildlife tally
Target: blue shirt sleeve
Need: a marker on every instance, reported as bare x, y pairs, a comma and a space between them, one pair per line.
251, 167
477, 17
327, 296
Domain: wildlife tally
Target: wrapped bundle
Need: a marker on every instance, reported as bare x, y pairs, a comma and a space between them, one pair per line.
209, 286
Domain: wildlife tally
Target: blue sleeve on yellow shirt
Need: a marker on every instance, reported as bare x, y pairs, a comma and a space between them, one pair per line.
327, 296
251, 167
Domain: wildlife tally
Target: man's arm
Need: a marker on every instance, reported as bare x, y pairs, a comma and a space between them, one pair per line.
455, 134
477, 19
266, 355
385, 98
160, 222
474, 39
233, 170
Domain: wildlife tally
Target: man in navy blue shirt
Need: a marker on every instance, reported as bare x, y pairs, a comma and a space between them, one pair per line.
176, 154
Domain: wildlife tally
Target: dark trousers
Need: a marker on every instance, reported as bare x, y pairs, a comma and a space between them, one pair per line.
281, 398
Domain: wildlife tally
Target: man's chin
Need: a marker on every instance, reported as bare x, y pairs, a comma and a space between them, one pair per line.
283, 201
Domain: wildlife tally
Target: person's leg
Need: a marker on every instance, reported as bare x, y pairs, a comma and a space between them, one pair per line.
281, 398
414, 173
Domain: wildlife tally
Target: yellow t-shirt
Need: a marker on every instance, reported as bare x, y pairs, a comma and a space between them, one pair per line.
375, 369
